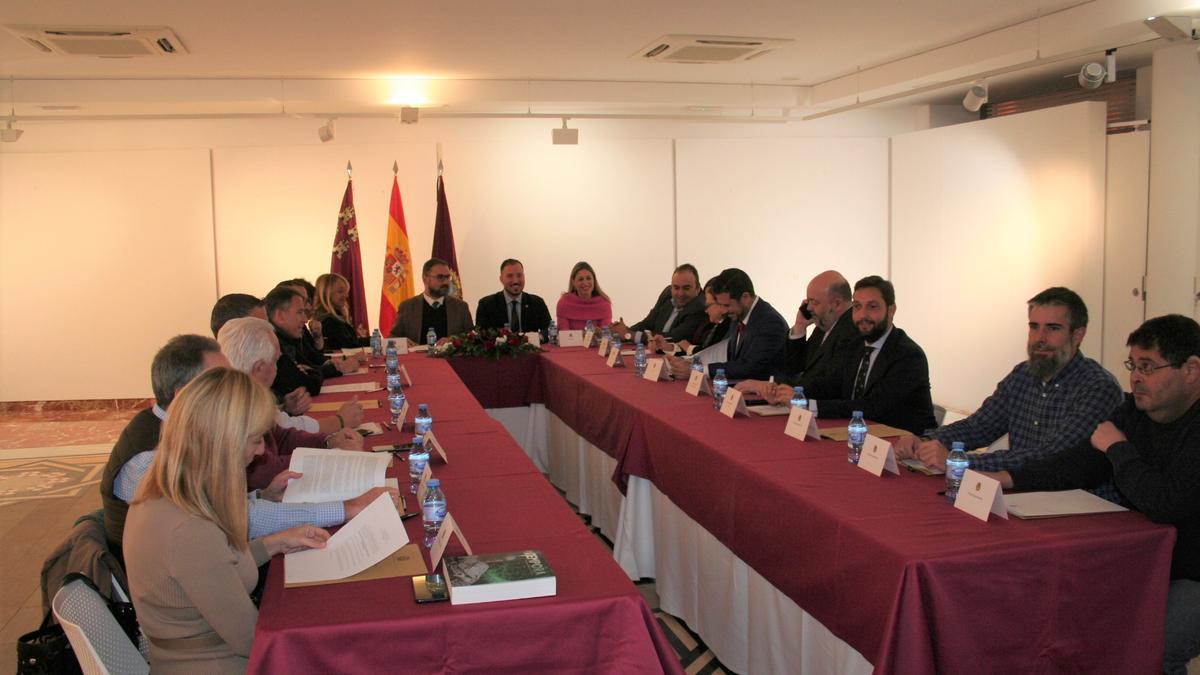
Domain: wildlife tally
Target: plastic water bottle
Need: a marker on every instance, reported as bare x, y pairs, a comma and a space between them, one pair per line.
396, 404
552, 333
616, 344
376, 343
719, 386
697, 364
433, 510
606, 332
392, 359
799, 400
956, 465
639, 358
856, 437
423, 422
393, 380
431, 339
418, 457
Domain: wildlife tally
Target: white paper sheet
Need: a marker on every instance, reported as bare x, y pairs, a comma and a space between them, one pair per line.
375, 533
334, 475
1056, 504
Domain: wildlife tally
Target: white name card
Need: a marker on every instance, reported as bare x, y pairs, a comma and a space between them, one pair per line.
401, 344
801, 425
654, 370
423, 485
570, 338
698, 383
877, 455
613, 355
448, 528
588, 336
534, 338
404, 374
437, 445
734, 404
980, 496
603, 351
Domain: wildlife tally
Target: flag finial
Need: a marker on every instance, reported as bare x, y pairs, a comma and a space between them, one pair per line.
349, 170
439, 158
395, 167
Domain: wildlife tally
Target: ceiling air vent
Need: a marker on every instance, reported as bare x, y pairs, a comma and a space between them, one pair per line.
110, 42
708, 48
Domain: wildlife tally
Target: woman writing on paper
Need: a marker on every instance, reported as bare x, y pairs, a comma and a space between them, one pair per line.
583, 301
191, 568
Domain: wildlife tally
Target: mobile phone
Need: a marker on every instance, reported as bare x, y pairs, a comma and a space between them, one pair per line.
804, 311
430, 588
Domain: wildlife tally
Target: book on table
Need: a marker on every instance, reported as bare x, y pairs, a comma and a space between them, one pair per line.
490, 577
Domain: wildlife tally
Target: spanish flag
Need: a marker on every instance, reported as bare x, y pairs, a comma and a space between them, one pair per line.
397, 263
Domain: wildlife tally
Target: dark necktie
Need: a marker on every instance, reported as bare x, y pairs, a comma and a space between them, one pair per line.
737, 347
514, 317
864, 366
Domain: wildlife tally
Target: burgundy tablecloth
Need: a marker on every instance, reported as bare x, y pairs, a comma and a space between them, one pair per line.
506, 382
597, 622
885, 563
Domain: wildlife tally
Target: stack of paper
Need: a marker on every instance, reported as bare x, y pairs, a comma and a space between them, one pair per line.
1055, 504
374, 534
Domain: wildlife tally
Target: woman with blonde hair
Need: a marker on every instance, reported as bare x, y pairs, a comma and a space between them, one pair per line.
191, 568
583, 300
332, 310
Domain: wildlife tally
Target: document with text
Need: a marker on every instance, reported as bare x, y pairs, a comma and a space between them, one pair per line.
374, 534
334, 475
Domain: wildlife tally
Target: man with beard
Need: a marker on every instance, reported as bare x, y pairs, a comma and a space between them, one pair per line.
435, 308
1049, 403
1148, 455
887, 377
522, 312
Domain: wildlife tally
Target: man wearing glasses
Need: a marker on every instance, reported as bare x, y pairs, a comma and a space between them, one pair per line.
1148, 454
435, 308
1046, 404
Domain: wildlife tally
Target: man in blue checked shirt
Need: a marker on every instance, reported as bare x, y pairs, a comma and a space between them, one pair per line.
1050, 402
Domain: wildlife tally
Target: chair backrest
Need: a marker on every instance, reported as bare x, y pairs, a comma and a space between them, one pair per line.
99, 643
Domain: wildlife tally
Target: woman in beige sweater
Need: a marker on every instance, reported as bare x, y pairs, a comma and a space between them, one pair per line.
190, 566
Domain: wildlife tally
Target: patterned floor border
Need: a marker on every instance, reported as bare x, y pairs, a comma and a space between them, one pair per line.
48, 477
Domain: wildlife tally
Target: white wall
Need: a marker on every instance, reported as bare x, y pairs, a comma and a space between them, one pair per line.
784, 210
985, 215
152, 194
103, 257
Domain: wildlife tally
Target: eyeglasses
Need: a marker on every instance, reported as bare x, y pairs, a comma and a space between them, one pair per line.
1146, 368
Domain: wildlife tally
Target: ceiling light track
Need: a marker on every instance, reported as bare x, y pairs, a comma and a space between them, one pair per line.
1042, 61
777, 119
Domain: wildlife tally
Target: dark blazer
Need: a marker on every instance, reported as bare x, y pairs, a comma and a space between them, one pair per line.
408, 318
817, 363
897, 390
339, 334
289, 374
761, 350
690, 317
492, 312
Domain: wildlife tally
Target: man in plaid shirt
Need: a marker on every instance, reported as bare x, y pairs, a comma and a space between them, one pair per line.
1051, 402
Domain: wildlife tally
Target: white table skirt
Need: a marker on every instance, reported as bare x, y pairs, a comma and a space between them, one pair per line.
744, 620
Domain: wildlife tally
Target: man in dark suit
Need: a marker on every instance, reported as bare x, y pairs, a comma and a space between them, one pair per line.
758, 333
677, 313
887, 377
816, 362
523, 312
434, 308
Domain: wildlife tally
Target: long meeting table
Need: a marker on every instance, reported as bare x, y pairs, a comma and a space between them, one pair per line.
597, 622
902, 580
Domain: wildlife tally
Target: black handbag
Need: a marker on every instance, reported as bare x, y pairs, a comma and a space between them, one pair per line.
46, 651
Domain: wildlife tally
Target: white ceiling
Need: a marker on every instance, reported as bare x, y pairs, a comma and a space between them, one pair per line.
515, 56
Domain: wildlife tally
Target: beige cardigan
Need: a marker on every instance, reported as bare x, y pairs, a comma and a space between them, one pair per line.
187, 582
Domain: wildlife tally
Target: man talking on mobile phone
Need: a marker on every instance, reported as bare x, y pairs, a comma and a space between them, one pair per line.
816, 361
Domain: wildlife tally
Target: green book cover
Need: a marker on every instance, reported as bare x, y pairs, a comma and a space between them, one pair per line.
499, 576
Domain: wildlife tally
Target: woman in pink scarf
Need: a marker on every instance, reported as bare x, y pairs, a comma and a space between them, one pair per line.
583, 301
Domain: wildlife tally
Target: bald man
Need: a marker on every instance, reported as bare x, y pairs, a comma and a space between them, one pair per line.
816, 362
